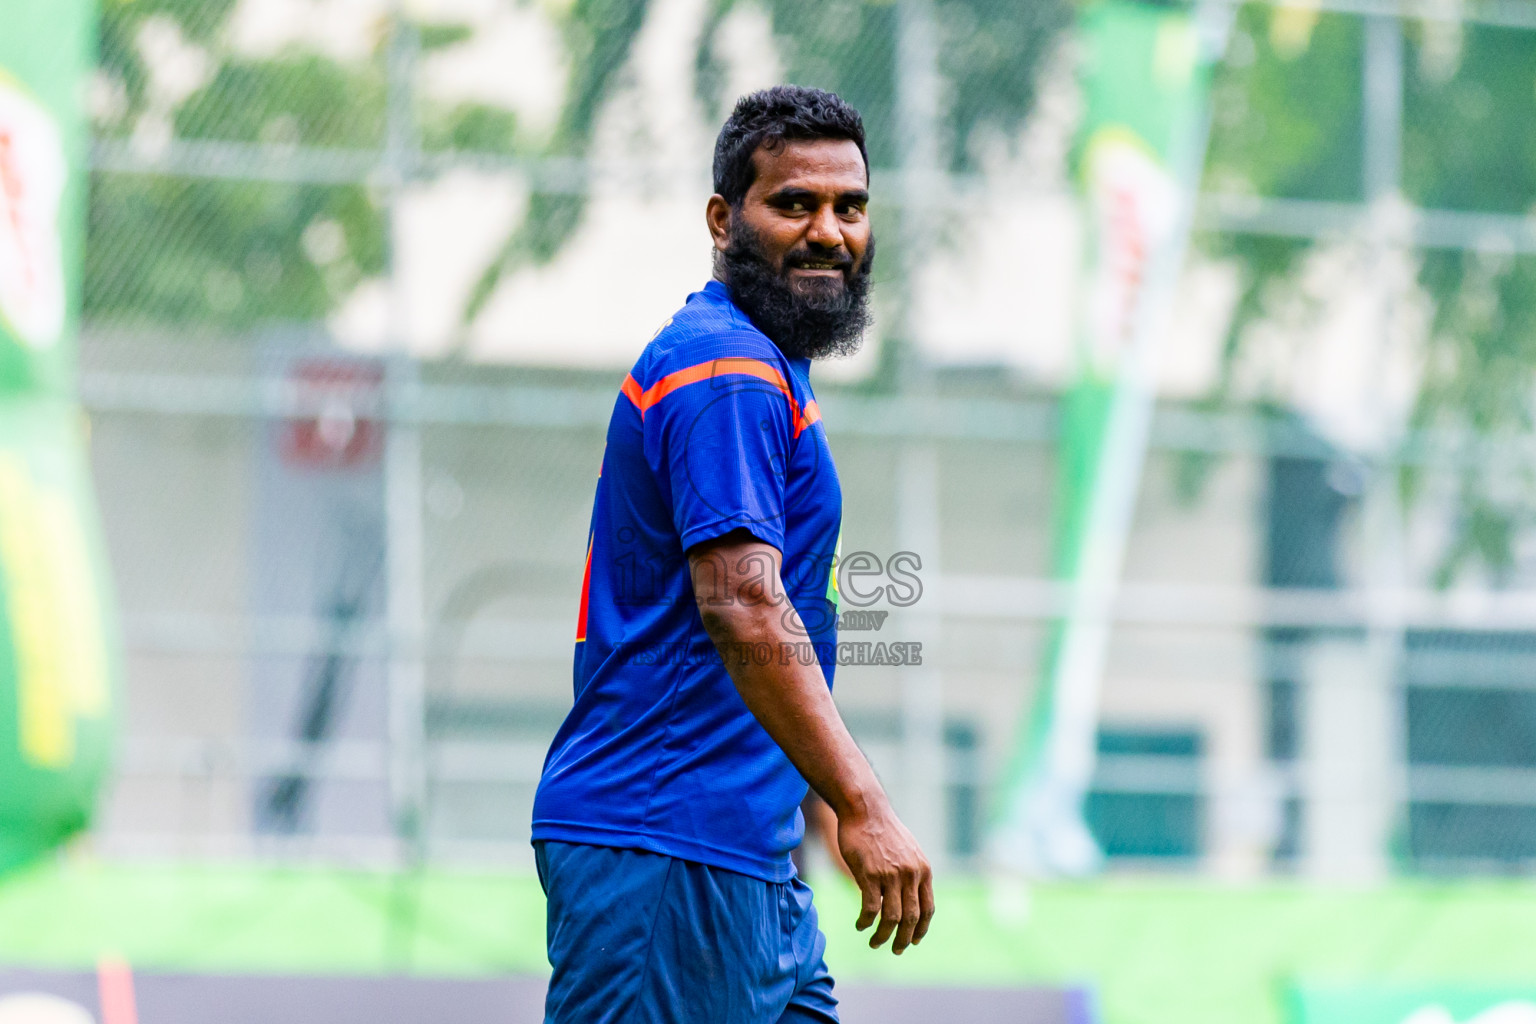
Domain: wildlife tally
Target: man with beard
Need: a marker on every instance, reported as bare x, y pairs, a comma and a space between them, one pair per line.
706, 635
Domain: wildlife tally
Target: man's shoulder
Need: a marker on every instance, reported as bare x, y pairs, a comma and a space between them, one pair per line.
705, 331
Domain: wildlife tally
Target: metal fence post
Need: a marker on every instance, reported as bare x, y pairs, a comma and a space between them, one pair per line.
403, 474
1355, 743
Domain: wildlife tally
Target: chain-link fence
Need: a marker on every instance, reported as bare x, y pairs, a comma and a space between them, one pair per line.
349, 576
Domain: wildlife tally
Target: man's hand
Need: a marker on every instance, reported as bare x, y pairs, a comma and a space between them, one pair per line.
737, 583
893, 875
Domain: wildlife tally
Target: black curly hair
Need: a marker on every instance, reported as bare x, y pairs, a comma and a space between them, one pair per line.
771, 117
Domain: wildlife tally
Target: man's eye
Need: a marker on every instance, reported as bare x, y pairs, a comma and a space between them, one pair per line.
796, 207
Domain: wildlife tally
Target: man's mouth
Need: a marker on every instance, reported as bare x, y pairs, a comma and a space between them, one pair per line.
819, 268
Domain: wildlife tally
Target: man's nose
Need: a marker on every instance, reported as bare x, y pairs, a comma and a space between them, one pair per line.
824, 230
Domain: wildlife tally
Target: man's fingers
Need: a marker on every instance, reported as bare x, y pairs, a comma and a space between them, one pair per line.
909, 914
890, 912
870, 887
925, 901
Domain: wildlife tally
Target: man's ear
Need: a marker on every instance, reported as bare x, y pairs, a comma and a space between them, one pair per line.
717, 215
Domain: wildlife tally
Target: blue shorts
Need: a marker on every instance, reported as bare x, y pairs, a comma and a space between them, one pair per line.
641, 938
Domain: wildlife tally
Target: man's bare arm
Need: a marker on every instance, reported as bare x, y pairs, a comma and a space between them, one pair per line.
737, 583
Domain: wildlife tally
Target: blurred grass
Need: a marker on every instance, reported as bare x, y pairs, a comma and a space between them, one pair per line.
1157, 951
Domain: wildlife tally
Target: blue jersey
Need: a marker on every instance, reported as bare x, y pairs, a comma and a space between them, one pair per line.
714, 430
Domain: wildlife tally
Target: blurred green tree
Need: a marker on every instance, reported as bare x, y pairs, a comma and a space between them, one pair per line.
226, 255
1288, 122
217, 256
989, 55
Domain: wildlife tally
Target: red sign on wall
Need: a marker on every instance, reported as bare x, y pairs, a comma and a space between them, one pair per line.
343, 431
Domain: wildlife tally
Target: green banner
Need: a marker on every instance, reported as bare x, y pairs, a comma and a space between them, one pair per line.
1421, 1005
1145, 81
58, 661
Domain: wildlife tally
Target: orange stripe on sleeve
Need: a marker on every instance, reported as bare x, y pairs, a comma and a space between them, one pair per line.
812, 415
644, 399
631, 389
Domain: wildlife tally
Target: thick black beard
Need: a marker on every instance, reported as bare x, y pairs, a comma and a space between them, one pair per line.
812, 320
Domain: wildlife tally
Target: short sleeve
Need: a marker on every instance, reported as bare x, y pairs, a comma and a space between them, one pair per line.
724, 443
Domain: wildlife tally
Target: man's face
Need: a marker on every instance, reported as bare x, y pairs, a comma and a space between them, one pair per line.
808, 209
797, 251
